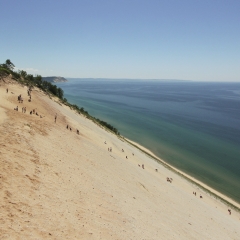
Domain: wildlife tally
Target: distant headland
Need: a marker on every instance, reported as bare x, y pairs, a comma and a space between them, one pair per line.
54, 79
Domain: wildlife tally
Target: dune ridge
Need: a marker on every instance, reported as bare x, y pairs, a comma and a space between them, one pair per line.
56, 184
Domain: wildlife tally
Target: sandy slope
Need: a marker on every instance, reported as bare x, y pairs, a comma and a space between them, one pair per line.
56, 184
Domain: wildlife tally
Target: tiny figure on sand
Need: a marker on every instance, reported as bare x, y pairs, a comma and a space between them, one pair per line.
24, 109
7, 90
55, 117
20, 99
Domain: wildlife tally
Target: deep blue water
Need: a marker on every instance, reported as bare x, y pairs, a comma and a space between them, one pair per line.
194, 126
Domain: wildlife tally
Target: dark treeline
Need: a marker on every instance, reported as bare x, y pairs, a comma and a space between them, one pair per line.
21, 76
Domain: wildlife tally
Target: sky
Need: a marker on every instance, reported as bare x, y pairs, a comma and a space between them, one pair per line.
139, 39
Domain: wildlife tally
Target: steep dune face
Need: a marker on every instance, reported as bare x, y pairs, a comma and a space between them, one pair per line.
3, 115
57, 184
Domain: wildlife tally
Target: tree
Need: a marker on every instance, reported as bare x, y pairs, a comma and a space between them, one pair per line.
15, 75
30, 77
4, 72
6, 69
8, 65
38, 81
23, 74
53, 89
45, 85
60, 93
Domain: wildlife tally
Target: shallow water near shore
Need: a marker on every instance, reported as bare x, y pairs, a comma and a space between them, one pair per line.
193, 126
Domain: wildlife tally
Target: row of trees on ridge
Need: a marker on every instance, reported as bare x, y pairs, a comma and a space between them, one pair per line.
21, 76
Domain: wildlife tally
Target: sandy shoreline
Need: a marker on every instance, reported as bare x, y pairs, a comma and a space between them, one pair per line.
56, 184
204, 186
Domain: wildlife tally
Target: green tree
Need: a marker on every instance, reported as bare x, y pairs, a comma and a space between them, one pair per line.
60, 93
23, 74
4, 73
30, 77
8, 65
45, 85
38, 81
53, 89
15, 75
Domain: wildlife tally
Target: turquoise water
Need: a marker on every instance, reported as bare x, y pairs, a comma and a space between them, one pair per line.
193, 126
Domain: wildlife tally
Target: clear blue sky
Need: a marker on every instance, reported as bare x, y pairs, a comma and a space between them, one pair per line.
169, 39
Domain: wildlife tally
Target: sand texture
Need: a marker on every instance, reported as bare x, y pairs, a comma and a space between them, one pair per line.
56, 184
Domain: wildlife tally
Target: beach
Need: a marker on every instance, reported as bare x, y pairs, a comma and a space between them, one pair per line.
193, 126
57, 184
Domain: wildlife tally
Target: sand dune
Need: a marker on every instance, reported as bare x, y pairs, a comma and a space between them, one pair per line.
56, 184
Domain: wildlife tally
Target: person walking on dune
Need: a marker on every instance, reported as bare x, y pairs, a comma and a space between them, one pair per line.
56, 118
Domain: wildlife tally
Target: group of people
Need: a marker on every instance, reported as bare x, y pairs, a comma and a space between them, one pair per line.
34, 111
142, 166
71, 129
169, 179
123, 151
110, 150
29, 94
20, 99
24, 109
194, 193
